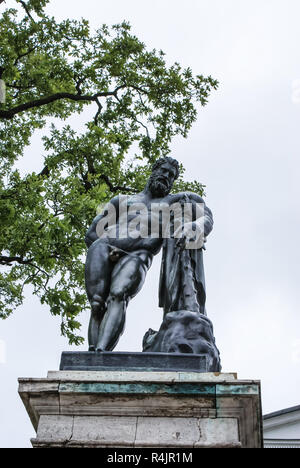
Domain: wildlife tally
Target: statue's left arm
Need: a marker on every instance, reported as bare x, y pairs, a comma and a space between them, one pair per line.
205, 212
202, 218
208, 221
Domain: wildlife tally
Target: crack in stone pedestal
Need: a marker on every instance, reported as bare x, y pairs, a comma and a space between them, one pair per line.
136, 428
200, 432
72, 430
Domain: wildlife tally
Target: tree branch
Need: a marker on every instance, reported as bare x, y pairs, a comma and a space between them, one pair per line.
98, 111
116, 188
88, 186
24, 55
9, 114
78, 84
112, 188
9, 260
19, 87
27, 10
45, 172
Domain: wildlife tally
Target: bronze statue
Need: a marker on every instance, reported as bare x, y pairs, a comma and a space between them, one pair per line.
117, 261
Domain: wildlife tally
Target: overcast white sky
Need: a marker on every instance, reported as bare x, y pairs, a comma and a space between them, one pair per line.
245, 148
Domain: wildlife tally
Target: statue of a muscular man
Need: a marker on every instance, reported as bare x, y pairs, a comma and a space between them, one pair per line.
117, 265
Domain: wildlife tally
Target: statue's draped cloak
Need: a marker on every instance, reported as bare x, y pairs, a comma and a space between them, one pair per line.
174, 282
172, 274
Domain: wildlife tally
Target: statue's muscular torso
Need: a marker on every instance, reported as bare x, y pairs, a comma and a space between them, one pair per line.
122, 204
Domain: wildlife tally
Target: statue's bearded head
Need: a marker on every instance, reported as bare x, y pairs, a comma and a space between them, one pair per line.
164, 172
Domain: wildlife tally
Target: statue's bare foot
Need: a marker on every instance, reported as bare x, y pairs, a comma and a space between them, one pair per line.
100, 350
92, 349
98, 304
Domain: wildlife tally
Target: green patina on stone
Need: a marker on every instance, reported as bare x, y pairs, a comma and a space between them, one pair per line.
232, 389
139, 388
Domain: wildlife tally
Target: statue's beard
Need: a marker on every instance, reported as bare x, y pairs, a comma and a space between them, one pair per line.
159, 188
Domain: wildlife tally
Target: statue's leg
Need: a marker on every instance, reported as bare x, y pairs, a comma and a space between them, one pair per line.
98, 270
127, 280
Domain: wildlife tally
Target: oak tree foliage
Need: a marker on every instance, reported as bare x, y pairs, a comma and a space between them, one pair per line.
135, 105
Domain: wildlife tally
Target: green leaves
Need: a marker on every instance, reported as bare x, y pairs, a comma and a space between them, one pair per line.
134, 105
10, 292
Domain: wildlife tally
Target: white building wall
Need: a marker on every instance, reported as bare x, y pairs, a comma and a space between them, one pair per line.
283, 430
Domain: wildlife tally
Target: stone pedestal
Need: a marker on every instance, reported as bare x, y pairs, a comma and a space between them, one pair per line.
143, 409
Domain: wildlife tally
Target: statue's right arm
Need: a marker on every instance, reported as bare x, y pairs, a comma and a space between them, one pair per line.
91, 235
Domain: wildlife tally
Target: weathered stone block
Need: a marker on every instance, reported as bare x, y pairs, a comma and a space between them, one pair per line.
132, 409
167, 432
106, 430
55, 428
219, 431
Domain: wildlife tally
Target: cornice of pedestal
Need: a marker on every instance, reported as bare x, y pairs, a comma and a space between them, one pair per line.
138, 376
